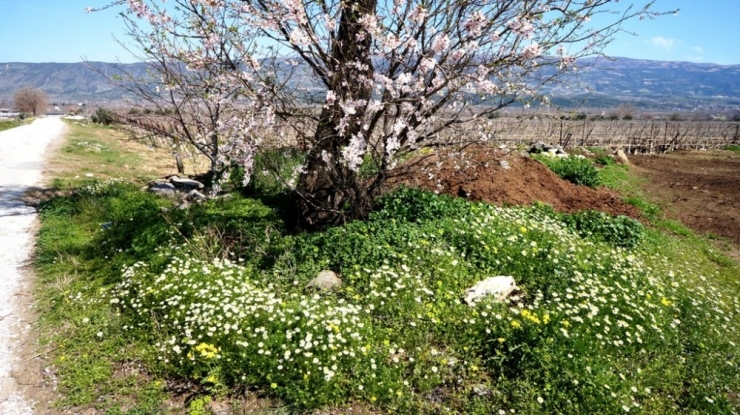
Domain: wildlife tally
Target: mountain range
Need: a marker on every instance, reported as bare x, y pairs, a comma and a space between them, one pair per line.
599, 83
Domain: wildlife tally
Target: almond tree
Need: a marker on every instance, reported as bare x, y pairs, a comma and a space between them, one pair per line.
30, 100
363, 82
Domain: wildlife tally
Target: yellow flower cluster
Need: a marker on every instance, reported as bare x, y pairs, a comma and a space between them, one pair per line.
526, 314
206, 350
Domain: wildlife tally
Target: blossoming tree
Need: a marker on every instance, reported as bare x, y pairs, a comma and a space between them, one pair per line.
362, 82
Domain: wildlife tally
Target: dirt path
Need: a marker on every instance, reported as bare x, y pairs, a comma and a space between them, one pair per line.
700, 189
22, 154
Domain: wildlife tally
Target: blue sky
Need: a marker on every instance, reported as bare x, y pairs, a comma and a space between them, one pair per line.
61, 31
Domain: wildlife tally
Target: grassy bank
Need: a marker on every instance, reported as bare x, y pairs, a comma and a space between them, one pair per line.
8, 124
151, 309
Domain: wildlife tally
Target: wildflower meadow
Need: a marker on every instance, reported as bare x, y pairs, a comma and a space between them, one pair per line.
596, 325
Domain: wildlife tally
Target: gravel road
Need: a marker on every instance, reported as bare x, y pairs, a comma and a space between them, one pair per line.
22, 152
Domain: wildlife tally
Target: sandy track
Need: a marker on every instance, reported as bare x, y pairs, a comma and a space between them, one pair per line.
22, 152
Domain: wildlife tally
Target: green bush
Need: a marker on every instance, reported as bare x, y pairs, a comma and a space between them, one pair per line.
616, 230
605, 161
275, 171
415, 205
573, 169
104, 116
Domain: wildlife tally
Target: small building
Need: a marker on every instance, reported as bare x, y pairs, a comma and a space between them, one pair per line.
7, 113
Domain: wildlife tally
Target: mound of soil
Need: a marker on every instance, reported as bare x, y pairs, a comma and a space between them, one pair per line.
504, 178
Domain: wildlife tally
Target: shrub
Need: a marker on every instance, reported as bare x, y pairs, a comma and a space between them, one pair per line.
573, 169
605, 161
275, 171
415, 205
619, 231
104, 116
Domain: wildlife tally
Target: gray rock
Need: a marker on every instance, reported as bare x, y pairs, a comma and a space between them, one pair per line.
196, 196
162, 185
326, 280
547, 149
186, 184
586, 152
164, 189
539, 147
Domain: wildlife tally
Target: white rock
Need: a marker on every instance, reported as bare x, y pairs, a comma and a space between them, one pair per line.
196, 196
622, 157
184, 183
326, 280
500, 287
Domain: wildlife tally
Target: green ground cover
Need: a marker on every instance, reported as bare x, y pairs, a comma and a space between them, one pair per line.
8, 124
143, 302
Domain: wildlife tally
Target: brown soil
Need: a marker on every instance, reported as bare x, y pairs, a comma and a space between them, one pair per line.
504, 178
700, 189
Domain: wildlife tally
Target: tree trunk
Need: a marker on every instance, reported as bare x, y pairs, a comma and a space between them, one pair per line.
328, 191
178, 152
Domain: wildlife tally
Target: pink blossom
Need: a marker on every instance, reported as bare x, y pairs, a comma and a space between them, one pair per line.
522, 27
404, 78
331, 97
441, 43
329, 23
475, 23
296, 12
391, 41
532, 51
418, 15
427, 64
488, 87
353, 153
298, 37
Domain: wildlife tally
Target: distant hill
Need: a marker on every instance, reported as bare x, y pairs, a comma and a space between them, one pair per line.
651, 84
66, 82
600, 83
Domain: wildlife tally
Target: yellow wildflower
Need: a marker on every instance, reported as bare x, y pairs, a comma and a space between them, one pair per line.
206, 350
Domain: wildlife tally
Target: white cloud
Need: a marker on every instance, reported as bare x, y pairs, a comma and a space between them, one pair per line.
662, 42
697, 49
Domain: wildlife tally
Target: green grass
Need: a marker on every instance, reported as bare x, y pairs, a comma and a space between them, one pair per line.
576, 170
733, 148
398, 317
141, 300
8, 124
